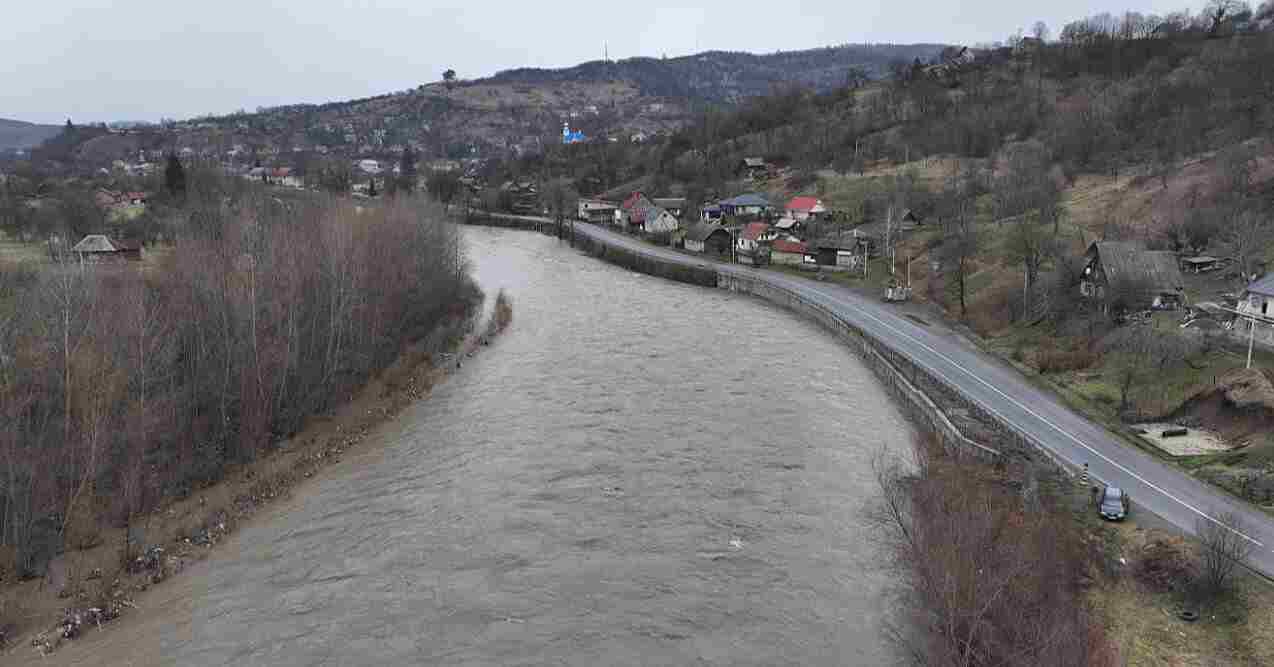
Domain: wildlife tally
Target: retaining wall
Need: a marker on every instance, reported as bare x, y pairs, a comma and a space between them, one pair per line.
902, 378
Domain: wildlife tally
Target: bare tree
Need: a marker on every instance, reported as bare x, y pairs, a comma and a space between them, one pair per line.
1223, 547
984, 577
1244, 237
960, 242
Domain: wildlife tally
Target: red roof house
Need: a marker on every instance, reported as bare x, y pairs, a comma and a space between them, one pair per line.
801, 208
755, 231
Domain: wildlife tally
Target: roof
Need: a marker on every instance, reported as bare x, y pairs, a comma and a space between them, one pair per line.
795, 247
701, 231
851, 240
632, 201
749, 199
1202, 259
1265, 285
785, 223
754, 161
1122, 260
804, 204
103, 243
753, 231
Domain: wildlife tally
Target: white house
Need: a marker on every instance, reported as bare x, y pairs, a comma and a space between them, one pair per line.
659, 220
1257, 302
369, 166
596, 210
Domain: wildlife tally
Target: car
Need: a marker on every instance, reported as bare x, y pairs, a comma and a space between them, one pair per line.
1113, 504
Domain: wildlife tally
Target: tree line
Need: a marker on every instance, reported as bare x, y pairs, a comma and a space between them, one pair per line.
124, 385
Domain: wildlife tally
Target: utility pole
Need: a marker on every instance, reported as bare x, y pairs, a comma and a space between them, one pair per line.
1251, 338
889, 238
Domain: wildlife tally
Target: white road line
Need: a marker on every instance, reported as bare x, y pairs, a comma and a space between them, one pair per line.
1031, 412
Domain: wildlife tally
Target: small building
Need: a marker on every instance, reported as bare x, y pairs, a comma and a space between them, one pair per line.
787, 225
597, 211
633, 206
788, 252
710, 213
754, 167
99, 248
1130, 277
674, 205
1200, 264
843, 252
752, 245
708, 239
804, 208
657, 220
750, 204
1257, 304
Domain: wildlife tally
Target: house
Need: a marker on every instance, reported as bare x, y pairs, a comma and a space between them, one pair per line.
1258, 303
598, 211
843, 252
804, 208
674, 205
99, 248
635, 204
1129, 276
368, 166
752, 244
658, 220
754, 167
787, 251
787, 225
745, 205
710, 213
283, 176
708, 239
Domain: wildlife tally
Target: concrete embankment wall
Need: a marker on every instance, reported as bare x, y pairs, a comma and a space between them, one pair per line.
511, 222
648, 264
906, 381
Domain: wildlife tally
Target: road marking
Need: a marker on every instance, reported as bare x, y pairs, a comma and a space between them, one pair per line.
793, 287
1031, 412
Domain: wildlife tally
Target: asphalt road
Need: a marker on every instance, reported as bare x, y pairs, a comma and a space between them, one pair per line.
1154, 486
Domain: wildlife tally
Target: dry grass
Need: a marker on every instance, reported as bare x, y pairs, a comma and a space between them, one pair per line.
1143, 621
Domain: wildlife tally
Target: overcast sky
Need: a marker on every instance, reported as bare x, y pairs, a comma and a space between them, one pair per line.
104, 60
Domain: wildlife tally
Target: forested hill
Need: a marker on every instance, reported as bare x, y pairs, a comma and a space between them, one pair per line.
722, 76
20, 134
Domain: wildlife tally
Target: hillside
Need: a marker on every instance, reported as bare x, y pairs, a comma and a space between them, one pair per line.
516, 112
729, 77
16, 134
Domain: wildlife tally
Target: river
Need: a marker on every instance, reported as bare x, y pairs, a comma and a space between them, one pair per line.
638, 472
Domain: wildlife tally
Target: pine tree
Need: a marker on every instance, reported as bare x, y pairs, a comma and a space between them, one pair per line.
175, 176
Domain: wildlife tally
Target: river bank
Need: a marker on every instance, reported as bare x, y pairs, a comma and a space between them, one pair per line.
85, 589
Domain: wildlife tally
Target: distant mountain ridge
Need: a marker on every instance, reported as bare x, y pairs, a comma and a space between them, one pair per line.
729, 76
515, 112
17, 134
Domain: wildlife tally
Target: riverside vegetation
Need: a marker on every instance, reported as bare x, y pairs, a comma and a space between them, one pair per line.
126, 387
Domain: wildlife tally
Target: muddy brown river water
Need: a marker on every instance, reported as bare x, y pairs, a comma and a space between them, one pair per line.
637, 473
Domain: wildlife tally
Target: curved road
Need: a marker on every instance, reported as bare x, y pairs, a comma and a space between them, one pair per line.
1039, 415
